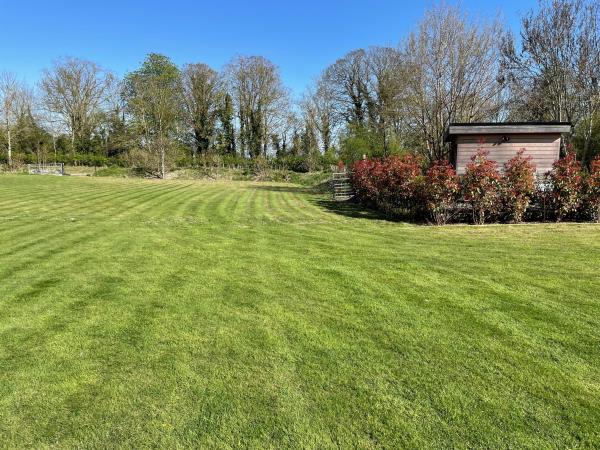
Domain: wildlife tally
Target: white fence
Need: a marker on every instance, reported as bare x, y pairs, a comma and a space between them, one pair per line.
46, 169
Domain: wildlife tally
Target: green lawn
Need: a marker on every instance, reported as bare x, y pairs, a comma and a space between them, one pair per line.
220, 314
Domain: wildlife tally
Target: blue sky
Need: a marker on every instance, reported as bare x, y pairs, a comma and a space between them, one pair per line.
301, 37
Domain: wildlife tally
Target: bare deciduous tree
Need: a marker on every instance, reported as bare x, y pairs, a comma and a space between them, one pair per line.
385, 87
261, 101
310, 131
556, 73
320, 100
201, 94
9, 98
17, 110
74, 91
451, 73
346, 81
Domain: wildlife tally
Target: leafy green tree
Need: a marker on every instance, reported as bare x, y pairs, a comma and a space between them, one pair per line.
32, 141
114, 135
358, 141
153, 100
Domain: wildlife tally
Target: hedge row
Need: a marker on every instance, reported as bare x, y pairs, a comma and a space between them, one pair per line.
400, 185
300, 164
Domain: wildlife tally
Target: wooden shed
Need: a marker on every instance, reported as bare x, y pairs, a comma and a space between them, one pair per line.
541, 140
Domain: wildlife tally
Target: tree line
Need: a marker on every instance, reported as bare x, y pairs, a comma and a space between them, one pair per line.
376, 101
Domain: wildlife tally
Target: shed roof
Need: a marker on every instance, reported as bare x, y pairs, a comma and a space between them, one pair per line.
455, 129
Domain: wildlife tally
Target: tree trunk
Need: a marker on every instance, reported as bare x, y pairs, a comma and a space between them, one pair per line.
73, 143
588, 136
9, 146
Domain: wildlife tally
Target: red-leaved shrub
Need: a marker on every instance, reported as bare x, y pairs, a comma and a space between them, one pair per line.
566, 181
481, 186
441, 188
363, 181
518, 185
593, 189
399, 183
389, 184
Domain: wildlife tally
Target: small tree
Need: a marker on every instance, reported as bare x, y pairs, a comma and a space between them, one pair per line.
566, 182
441, 188
481, 186
9, 93
593, 189
153, 99
518, 185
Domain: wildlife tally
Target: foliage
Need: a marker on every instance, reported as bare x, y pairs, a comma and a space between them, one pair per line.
200, 88
256, 87
566, 182
225, 139
481, 186
363, 181
518, 185
592, 188
294, 163
377, 101
153, 99
113, 171
389, 183
586, 138
360, 141
441, 188
397, 185
355, 144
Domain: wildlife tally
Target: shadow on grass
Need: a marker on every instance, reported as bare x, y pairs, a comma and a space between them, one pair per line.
346, 208
293, 189
321, 188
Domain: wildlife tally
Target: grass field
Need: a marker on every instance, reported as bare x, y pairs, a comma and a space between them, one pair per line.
194, 314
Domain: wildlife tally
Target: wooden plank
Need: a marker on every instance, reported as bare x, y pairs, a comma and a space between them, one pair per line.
490, 138
501, 129
512, 148
498, 158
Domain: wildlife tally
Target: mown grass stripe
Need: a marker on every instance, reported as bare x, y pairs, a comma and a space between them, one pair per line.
54, 198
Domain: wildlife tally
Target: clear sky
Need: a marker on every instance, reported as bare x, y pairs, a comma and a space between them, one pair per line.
301, 37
